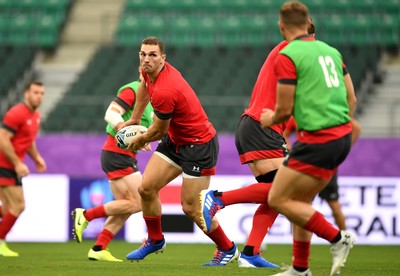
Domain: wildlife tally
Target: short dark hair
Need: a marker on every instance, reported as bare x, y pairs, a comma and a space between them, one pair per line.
311, 28
152, 40
294, 13
28, 86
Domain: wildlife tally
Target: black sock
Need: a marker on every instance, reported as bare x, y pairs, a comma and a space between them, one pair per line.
248, 250
97, 248
300, 269
337, 238
218, 194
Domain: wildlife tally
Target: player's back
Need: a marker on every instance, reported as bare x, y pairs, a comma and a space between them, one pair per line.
264, 91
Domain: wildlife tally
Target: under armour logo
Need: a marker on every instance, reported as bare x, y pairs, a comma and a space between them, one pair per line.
346, 241
196, 169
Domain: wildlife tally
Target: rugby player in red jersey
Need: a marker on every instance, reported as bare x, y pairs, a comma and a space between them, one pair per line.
257, 146
188, 146
17, 138
263, 150
313, 86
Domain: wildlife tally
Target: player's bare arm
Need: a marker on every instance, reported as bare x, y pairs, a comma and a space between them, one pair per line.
356, 130
7, 147
113, 115
352, 102
142, 99
351, 95
40, 163
155, 132
8, 150
283, 107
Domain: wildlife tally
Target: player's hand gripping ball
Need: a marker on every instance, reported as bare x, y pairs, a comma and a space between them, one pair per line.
125, 135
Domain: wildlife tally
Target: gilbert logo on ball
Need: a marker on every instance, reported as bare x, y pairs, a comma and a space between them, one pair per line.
125, 135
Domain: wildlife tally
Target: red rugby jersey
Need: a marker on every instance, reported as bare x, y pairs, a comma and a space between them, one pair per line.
264, 91
172, 97
24, 123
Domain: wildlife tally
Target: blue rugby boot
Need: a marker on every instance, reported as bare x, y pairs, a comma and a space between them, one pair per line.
222, 257
210, 205
145, 249
254, 261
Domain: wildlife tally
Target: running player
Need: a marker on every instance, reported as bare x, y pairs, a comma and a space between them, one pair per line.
312, 86
263, 149
188, 146
122, 172
331, 192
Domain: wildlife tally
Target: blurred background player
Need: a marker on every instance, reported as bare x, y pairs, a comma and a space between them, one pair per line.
331, 192
124, 176
17, 138
188, 146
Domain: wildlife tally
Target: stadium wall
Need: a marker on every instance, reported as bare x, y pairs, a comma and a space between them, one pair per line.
79, 156
369, 188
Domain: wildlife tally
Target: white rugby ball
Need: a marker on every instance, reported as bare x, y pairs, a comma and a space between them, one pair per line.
125, 135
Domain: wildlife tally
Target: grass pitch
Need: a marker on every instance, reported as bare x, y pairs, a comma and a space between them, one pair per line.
183, 259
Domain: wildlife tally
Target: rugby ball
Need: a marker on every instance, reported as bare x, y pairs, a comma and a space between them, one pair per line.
125, 135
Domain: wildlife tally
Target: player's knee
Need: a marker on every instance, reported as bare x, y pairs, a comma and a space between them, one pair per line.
189, 211
274, 203
146, 193
18, 208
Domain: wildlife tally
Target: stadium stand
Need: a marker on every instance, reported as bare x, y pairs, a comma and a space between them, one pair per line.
83, 106
113, 66
218, 45
238, 22
15, 65
26, 28
224, 93
34, 23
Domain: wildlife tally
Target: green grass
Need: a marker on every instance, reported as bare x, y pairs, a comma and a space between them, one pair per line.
183, 259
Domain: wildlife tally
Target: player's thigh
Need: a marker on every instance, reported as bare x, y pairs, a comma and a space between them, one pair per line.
290, 184
14, 195
4, 201
126, 187
263, 166
2, 198
159, 171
